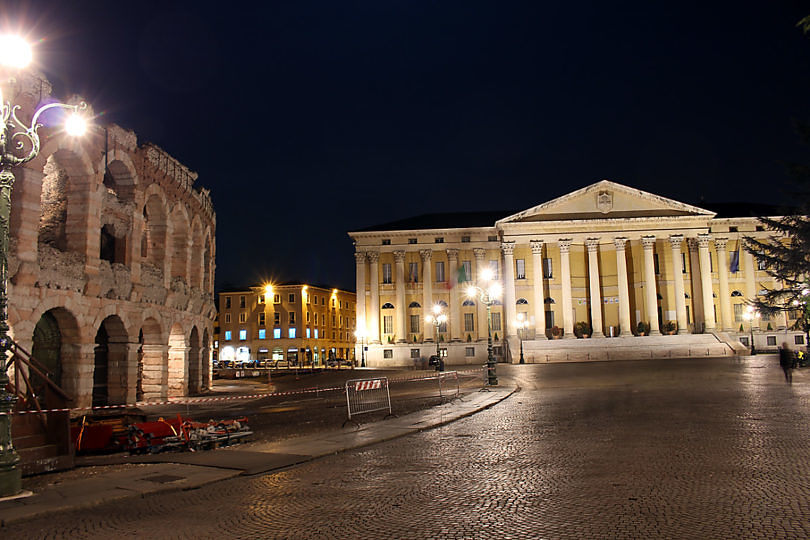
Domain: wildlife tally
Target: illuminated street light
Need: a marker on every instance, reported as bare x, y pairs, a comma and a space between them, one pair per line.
487, 291
19, 144
360, 334
437, 319
750, 314
522, 325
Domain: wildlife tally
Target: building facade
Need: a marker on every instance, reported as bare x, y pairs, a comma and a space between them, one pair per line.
597, 261
293, 322
111, 264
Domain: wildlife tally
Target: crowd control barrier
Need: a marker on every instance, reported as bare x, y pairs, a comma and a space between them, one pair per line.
367, 395
448, 385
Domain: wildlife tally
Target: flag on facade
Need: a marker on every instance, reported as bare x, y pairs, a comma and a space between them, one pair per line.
734, 266
459, 277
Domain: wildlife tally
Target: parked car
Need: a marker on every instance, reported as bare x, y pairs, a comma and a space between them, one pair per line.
337, 362
281, 364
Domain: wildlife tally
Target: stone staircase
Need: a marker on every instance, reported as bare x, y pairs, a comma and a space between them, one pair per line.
43, 446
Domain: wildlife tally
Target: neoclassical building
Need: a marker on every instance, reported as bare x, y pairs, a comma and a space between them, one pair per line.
601, 259
111, 266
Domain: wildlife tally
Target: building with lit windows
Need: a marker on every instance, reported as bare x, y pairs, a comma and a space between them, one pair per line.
640, 275
292, 322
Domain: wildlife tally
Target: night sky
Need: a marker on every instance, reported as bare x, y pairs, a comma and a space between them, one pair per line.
310, 119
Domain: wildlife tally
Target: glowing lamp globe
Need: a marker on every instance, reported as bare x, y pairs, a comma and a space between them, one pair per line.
14, 51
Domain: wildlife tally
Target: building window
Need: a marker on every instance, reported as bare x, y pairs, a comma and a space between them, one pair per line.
307, 332
243, 317
276, 318
439, 240
242, 301
520, 269
242, 335
315, 299
227, 302
496, 321
492, 238
465, 272
316, 318
291, 298
291, 315
276, 333
411, 240
227, 335
333, 320
469, 322
465, 239
276, 298
261, 298
388, 324
744, 340
547, 268
683, 262
323, 298
761, 264
771, 340
415, 320
440, 271
388, 353
386, 273
798, 340
656, 268
227, 317
316, 333
413, 272
493, 266
469, 352
732, 229
415, 353
333, 336
261, 319
291, 333
759, 228
386, 242
738, 312
262, 333
307, 316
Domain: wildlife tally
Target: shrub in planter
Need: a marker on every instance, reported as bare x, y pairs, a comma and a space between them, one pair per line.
670, 327
770, 327
642, 328
582, 329
556, 332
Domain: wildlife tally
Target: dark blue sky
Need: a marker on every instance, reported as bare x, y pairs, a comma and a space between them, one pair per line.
310, 119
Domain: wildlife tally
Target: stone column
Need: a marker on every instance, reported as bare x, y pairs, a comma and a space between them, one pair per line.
373, 316
455, 305
178, 369
625, 329
538, 298
726, 323
597, 328
510, 312
24, 223
401, 310
427, 294
697, 288
650, 292
567, 304
677, 267
706, 281
750, 280
360, 287
480, 263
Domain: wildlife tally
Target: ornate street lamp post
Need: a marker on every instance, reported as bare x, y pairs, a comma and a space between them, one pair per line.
522, 324
750, 314
19, 143
487, 292
438, 318
360, 334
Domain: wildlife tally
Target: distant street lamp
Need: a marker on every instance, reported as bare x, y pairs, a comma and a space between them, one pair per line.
487, 291
438, 318
360, 334
750, 314
19, 144
522, 325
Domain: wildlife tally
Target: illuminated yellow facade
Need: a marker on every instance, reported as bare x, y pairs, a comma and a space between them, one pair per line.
293, 322
600, 260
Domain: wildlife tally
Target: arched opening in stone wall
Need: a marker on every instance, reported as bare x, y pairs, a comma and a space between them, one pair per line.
180, 235
53, 205
196, 270
206, 361
110, 363
155, 231
207, 265
55, 345
139, 376
154, 362
178, 361
194, 362
118, 180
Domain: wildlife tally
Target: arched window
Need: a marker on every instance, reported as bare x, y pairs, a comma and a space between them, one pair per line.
468, 303
736, 293
497, 303
659, 297
442, 303
387, 305
686, 295
549, 300
414, 305
521, 301
714, 295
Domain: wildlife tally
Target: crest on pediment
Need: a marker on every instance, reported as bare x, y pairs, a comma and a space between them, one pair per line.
604, 201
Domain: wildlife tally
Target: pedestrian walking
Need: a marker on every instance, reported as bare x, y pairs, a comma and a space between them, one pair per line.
786, 362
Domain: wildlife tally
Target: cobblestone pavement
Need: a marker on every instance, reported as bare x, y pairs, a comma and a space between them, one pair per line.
654, 449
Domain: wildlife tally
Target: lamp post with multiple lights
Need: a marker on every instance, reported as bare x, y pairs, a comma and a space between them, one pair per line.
360, 334
19, 144
487, 291
438, 318
750, 314
522, 325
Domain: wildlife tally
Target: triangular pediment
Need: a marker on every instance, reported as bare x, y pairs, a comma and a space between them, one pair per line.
606, 200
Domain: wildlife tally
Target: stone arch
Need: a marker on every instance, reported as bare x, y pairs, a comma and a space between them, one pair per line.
120, 174
196, 271
155, 217
208, 263
179, 236
153, 364
56, 344
110, 359
206, 360
178, 361
194, 362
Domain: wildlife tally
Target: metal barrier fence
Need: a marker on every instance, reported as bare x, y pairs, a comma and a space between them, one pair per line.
447, 381
367, 395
